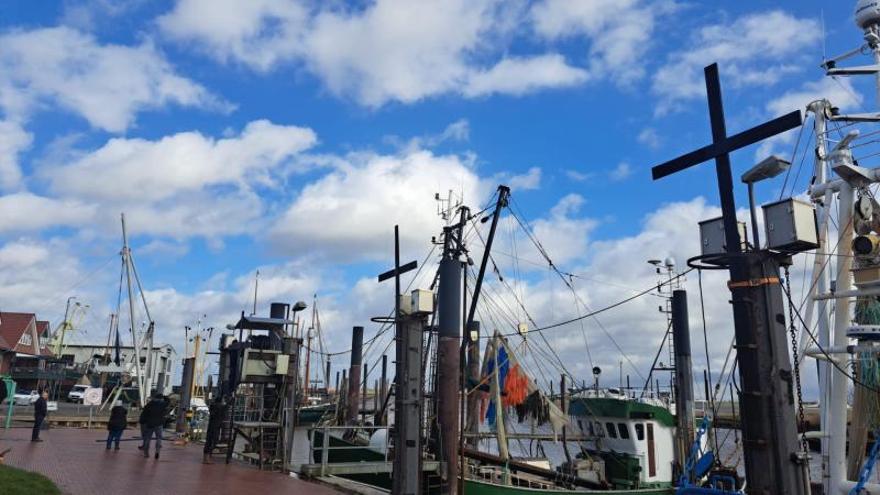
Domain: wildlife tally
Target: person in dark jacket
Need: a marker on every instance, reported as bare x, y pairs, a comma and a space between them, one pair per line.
152, 422
217, 413
40, 412
117, 424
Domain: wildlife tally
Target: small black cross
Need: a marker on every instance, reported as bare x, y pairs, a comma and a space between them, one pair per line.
397, 272
720, 148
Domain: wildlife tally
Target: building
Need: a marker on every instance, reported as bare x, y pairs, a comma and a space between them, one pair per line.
24, 350
95, 357
18, 334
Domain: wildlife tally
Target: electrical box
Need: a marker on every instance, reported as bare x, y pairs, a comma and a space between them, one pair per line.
422, 302
712, 240
790, 226
263, 364
405, 304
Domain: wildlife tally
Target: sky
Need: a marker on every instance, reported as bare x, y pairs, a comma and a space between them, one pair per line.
290, 137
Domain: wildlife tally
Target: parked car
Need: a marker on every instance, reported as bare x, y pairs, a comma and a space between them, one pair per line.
76, 393
24, 397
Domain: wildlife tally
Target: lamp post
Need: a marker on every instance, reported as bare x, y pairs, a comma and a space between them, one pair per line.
767, 169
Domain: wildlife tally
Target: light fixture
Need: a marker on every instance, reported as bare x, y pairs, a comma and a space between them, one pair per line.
299, 306
767, 168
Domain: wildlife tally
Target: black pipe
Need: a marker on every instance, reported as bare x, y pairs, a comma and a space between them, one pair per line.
354, 374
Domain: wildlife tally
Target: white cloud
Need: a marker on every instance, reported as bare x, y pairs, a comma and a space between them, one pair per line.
458, 131
349, 212
186, 161
13, 140
754, 50
620, 31
839, 92
385, 51
621, 172
105, 84
39, 275
517, 75
87, 15
24, 211
579, 176
649, 137
563, 235
259, 33
525, 182
182, 185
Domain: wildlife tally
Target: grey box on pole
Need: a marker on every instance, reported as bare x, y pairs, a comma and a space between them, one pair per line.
790, 225
712, 236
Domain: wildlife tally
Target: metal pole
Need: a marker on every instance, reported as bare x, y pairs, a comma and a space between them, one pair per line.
126, 253
473, 368
842, 316
684, 378
503, 192
186, 383
354, 374
563, 400
821, 277
364, 395
757, 240
407, 407
384, 387
448, 378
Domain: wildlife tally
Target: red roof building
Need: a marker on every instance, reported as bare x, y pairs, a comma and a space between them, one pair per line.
21, 333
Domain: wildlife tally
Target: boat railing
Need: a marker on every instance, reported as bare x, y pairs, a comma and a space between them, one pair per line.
350, 434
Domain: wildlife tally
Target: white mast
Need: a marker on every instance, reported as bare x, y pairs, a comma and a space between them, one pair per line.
126, 261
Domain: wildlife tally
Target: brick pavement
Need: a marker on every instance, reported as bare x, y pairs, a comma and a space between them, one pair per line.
80, 466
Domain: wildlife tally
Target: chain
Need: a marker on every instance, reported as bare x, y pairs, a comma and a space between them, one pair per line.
797, 369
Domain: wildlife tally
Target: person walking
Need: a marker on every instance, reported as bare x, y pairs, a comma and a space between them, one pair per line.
40, 412
117, 424
152, 420
217, 413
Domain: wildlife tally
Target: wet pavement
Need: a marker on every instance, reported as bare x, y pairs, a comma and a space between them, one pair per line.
81, 466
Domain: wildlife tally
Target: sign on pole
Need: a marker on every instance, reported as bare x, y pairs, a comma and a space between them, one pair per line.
93, 396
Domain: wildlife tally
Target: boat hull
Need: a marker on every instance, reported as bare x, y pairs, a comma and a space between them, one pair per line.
354, 453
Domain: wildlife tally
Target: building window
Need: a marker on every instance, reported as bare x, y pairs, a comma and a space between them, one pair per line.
624, 431
609, 427
640, 431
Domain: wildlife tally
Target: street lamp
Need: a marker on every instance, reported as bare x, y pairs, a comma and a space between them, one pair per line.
297, 307
767, 169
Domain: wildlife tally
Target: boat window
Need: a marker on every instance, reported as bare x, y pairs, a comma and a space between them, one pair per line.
640, 431
609, 427
599, 431
624, 431
580, 425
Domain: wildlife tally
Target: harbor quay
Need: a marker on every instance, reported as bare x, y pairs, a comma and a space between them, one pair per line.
78, 463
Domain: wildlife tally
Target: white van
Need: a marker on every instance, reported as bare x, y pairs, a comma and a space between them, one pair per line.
76, 393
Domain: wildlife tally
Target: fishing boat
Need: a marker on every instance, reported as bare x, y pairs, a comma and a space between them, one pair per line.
625, 446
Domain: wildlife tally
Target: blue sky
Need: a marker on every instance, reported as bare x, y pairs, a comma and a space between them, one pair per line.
290, 136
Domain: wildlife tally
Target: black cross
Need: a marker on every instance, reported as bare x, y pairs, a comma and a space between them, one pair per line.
397, 272
720, 148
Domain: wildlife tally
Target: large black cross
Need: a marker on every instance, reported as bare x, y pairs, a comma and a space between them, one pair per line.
396, 272
720, 148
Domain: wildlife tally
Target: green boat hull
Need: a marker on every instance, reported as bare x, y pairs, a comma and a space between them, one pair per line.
312, 414
356, 454
471, 486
